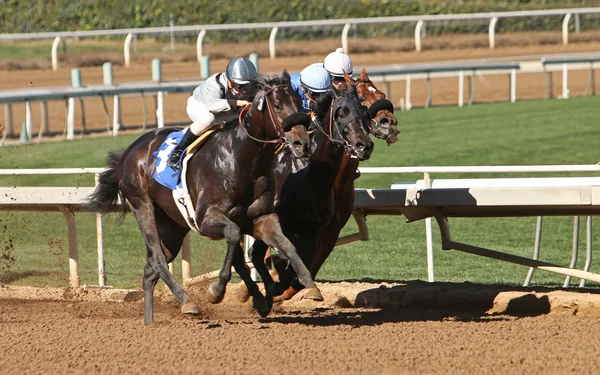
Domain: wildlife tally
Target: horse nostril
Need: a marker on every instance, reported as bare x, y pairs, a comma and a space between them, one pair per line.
298, 144
385, 121
360, 146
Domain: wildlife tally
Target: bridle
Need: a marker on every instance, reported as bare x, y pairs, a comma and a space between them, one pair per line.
338, 142
376, 124
277, 124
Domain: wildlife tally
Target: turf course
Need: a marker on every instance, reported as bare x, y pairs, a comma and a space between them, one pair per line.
33, 246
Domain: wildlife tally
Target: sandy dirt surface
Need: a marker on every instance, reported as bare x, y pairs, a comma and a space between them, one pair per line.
377, 328
135, 111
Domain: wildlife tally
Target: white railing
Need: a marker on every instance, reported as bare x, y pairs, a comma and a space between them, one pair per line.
73, 198
428, 170
200, 30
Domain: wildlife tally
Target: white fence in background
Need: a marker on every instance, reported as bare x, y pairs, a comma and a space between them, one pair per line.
201, 30
469, 69
574, 200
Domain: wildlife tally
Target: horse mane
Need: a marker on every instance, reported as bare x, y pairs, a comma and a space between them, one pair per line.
267, 81
322, 104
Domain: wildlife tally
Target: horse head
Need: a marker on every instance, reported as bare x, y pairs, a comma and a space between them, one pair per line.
274, 117
384, 124
345, 123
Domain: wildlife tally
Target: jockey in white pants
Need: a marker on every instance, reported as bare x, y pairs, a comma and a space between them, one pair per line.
215, 95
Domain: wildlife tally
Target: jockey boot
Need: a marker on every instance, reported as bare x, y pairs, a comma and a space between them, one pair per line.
357, 174
187, 139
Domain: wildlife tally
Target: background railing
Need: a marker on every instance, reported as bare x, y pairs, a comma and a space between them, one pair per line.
201, 30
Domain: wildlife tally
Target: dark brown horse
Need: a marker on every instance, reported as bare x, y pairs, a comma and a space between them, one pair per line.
306, 200
227, 185
383, 125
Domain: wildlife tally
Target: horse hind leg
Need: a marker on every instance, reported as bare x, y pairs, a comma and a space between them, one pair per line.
156, 262
171, 236
268, 228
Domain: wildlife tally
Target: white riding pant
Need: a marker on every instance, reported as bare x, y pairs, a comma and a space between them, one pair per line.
202, 118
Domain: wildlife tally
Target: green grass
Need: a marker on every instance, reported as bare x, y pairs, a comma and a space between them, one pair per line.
27, 50
523, 133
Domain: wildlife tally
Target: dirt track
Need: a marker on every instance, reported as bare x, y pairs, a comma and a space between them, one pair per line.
383, 329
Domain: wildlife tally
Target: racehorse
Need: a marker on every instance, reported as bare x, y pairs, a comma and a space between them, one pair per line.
227, 185
306, 200
383, 125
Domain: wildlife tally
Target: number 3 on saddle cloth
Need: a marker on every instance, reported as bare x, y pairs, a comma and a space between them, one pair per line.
172, 178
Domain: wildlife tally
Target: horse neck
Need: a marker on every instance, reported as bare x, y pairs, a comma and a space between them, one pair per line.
325, 162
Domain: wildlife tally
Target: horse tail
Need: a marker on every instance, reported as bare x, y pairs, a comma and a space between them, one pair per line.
105, 197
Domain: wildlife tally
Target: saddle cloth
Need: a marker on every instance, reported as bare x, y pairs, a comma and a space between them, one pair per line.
175, 179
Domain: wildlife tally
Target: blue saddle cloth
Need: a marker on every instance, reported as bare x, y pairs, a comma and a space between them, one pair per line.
164, 174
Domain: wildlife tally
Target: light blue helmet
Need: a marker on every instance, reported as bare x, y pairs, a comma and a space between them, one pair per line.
315, 78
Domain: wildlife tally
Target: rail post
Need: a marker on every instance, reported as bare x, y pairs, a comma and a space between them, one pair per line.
55, 44
272, 38
418, 31
345, 37
492, 32
461, 88
100, 243
199, 41
157, 77
254, 58
205, 67
565, 29
127, 50
513, 85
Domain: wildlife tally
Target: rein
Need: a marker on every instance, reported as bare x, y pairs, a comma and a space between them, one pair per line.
275, 119
342, 142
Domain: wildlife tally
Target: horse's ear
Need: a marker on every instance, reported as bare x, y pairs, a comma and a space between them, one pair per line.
363, 75
285, 75
348, 78
352, 88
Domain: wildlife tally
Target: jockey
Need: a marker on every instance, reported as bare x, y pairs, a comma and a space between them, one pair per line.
221, 92
336, 63
312, 82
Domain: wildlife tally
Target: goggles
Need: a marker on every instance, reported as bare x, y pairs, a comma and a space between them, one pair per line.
240, 87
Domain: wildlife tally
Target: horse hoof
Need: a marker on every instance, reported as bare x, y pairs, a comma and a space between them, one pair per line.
313, 293
190, 308
262, 305
289, 293
274, 275
212, 295
242, 293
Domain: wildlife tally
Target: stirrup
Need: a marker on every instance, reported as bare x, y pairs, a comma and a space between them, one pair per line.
173, 160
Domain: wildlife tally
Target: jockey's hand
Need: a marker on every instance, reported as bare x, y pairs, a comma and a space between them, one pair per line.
242, 103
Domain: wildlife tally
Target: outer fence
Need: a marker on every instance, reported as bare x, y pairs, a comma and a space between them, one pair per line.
385, 75
201, 30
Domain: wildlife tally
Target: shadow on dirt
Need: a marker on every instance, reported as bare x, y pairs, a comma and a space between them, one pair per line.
423, 301
8, 277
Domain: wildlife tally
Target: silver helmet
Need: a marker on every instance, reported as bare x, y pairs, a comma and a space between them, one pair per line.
240, 70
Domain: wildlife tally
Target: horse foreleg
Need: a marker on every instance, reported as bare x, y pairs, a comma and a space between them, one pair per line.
257, 254
261, 304
268, 229
216, 221
325, 245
